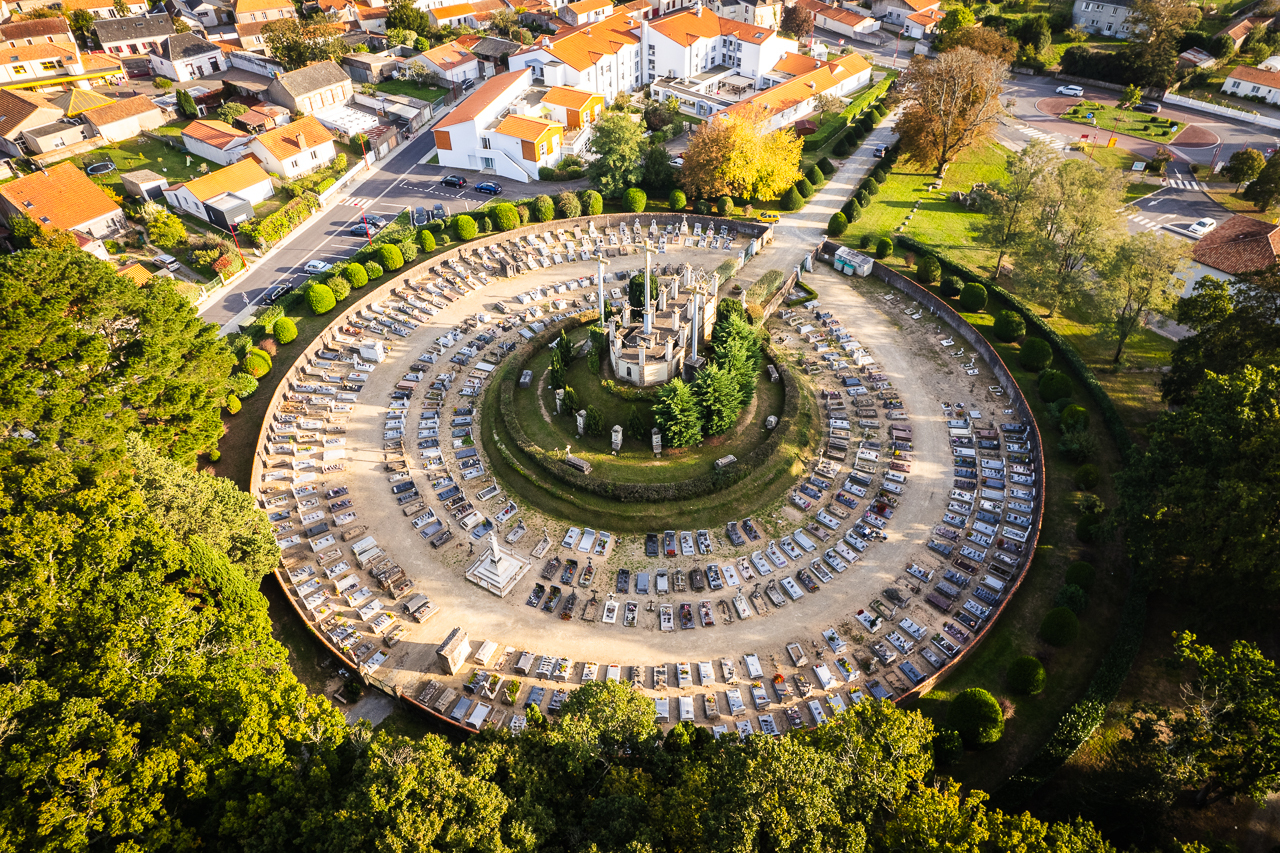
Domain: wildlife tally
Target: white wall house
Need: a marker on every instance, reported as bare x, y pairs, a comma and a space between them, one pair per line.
601, 57
453, 62
696, 40
216, 141
1256, 82
186, 56
1109, 19
299, 148
133, 36
245, 180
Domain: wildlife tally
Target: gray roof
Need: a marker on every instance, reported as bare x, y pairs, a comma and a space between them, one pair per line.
490, 46
187, 46
127, 29
51, 129
304, 81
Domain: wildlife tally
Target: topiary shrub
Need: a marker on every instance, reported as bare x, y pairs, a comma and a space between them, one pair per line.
243, 385
815, 175
1036, 354
1072, 597
340, 286
1026, 676
1009, 326
390, 258
286, 331
257, 363
505, 217
1074, 418
863, 198
702, 207
973, 298
1081, 574
871, 187
427, 241
1087, 476
976, 715
827, 167
948, 747
357, 275
837, 225
634, 200
408, 249
866, 241
483, 223
373, 269
952, 286
320, 298
791, 199
840, 150
592, 203
215, 455
855, 213
233, 404
805, 187
724, 205
465, 227
1054, 386
1060, 627
676, 201
879, 176
543, 209
884, 248
568, 206
928, 270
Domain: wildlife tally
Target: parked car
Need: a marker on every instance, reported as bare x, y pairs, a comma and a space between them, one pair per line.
437, 212
275, 292
376, 221
1073, 91
678, 161
490, 187
168, 262
1203, 226
1147, 107
420, 217
314, 267
453, 181
769, 216
363, 230
881, 150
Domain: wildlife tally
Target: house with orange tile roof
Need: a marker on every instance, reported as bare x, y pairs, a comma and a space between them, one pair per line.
475, 13
105, 8
451, 61
62, 197
216, 141
599, 57
1244, 81
699, 42
1238, 246
296, 149
921, 24
893, 13
136, 273
38, 56
843, 21
573, 108
224, 197
252, 11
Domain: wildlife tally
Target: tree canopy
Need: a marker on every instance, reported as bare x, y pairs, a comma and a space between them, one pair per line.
949, 104
297, 42
617, 143
736, 155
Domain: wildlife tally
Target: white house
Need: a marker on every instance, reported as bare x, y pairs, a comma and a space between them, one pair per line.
586, 12
105, 8
453, 62
895, 12
921, 24
692, 42
602, 57
1244, 81
133, 36
125, 119
186, 56
843, 21
297, 149
216, 141
1109, 19
224, 197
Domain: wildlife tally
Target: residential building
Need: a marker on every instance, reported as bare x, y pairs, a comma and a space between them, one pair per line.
309, 90
370, 67
845, 22
694, 42
603, 57
106, 8
1246, 82
47, 30
490, 51
186, 56
21, 111
133, 36
144, 184
73, 102
63, 197
41, 54
894, 12
55, 136
1196, 58
136, 273
757, 13
252, 11
1239, 30
573, 108
224, 197
452, 62
921, 25
125, 119
586, 12
216, 141
297, 149
201, 15
474, 14
1238, 246
250, 37
1109, 19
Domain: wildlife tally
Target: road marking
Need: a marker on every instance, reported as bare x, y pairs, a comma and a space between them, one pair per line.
1053, 141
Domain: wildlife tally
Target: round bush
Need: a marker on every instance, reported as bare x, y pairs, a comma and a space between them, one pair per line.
592, 202
948, 747
872, 187
356, 274
427, 241
340, 286
505, 216
320, 298
879, 176
804, 187
838, 224
791, 199
1009, 326
827, 167
928, 270
855, 213
702, 207
257, 364
373, 269
815, 175
543, 209
841, 149
634, 200
568, 206
233, 404
884, 248
1072, 597
863, 198
1087, 477
465, 227
1081, 574
1054, 386
436, 226
1026, 676
724, 205
976, 715
390, 258
215, 455
866, 240
973, 298
286, 331
483, 223
1060, 627
408, 249
952, 286
243, 385
1036, 354
676, 201
1075, 418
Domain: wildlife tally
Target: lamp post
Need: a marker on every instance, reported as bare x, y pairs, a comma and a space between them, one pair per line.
239, 251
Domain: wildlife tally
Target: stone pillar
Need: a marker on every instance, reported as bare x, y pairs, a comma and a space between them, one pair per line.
582, 422
617, 437
559, 400
640, 378
657, 441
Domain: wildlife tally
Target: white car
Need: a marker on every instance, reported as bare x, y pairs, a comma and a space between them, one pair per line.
678, 161
1073, 91
1203, 226
314, 267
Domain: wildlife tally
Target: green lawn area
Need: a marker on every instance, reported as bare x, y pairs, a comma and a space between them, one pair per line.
1108, 119
409, 89
174, 128
145, 153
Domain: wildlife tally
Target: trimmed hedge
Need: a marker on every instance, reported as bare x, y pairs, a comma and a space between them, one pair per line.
465, 227
815, 175
805, 187
952, 286
320, 298
1026, 676
837, 225
848, 115
1060, 627
634, 200
1081, 574
592, 203
976, 715
928, 270
828, 168
390, 258
373, 269
973, 298
1054, 386
884, 248
357, 274
286, 331
427, 240
1036, 354
677, 200
505, 217
1009, 326
791, 200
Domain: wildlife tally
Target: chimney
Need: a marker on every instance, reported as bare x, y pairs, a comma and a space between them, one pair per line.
546, 42
302, 141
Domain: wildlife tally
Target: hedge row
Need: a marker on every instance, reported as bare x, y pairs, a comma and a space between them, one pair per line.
705, 484
851, 113
810, 293
284, 220
1037, 325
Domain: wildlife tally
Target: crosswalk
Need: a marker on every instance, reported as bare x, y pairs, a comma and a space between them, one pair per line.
1048, 138
1147, 223
361, 203
1187, 185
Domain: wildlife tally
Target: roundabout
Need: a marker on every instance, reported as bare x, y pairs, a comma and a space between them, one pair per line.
410, 498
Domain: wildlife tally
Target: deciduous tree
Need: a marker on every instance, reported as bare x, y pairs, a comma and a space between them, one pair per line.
797, 21
1008, 201
1140, 279
949, 104
299, 42
1160, 24
735, 155
1244, 165
617, 144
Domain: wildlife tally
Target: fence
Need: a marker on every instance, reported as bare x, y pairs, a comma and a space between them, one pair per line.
1225, 112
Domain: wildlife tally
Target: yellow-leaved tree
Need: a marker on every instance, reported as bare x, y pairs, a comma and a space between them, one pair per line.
735, 154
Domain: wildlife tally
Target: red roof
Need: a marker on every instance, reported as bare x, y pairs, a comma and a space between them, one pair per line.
1239, 245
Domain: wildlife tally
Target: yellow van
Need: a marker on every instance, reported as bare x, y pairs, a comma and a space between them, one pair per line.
769, 216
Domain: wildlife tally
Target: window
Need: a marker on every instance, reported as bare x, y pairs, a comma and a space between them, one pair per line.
652, 65
48, 66
486, 162
1255, 90
59, 143
19, 70
542, 149
1235, 84
651, 50
293, 164
315, 155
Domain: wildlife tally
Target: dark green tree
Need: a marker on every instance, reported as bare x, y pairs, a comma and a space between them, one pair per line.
1244, 165
719, 400
676, 413
187, 104
1266, 186
636, 427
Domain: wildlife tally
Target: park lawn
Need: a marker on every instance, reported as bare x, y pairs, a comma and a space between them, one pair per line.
409, 89
1113, 119
144, 152
1139, 184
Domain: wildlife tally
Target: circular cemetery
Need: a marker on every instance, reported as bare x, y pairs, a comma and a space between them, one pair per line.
477, 504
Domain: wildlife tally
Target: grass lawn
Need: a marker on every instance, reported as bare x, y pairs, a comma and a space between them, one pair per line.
173, 128
411, 90
144, 153
1108, 119
1140, 184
